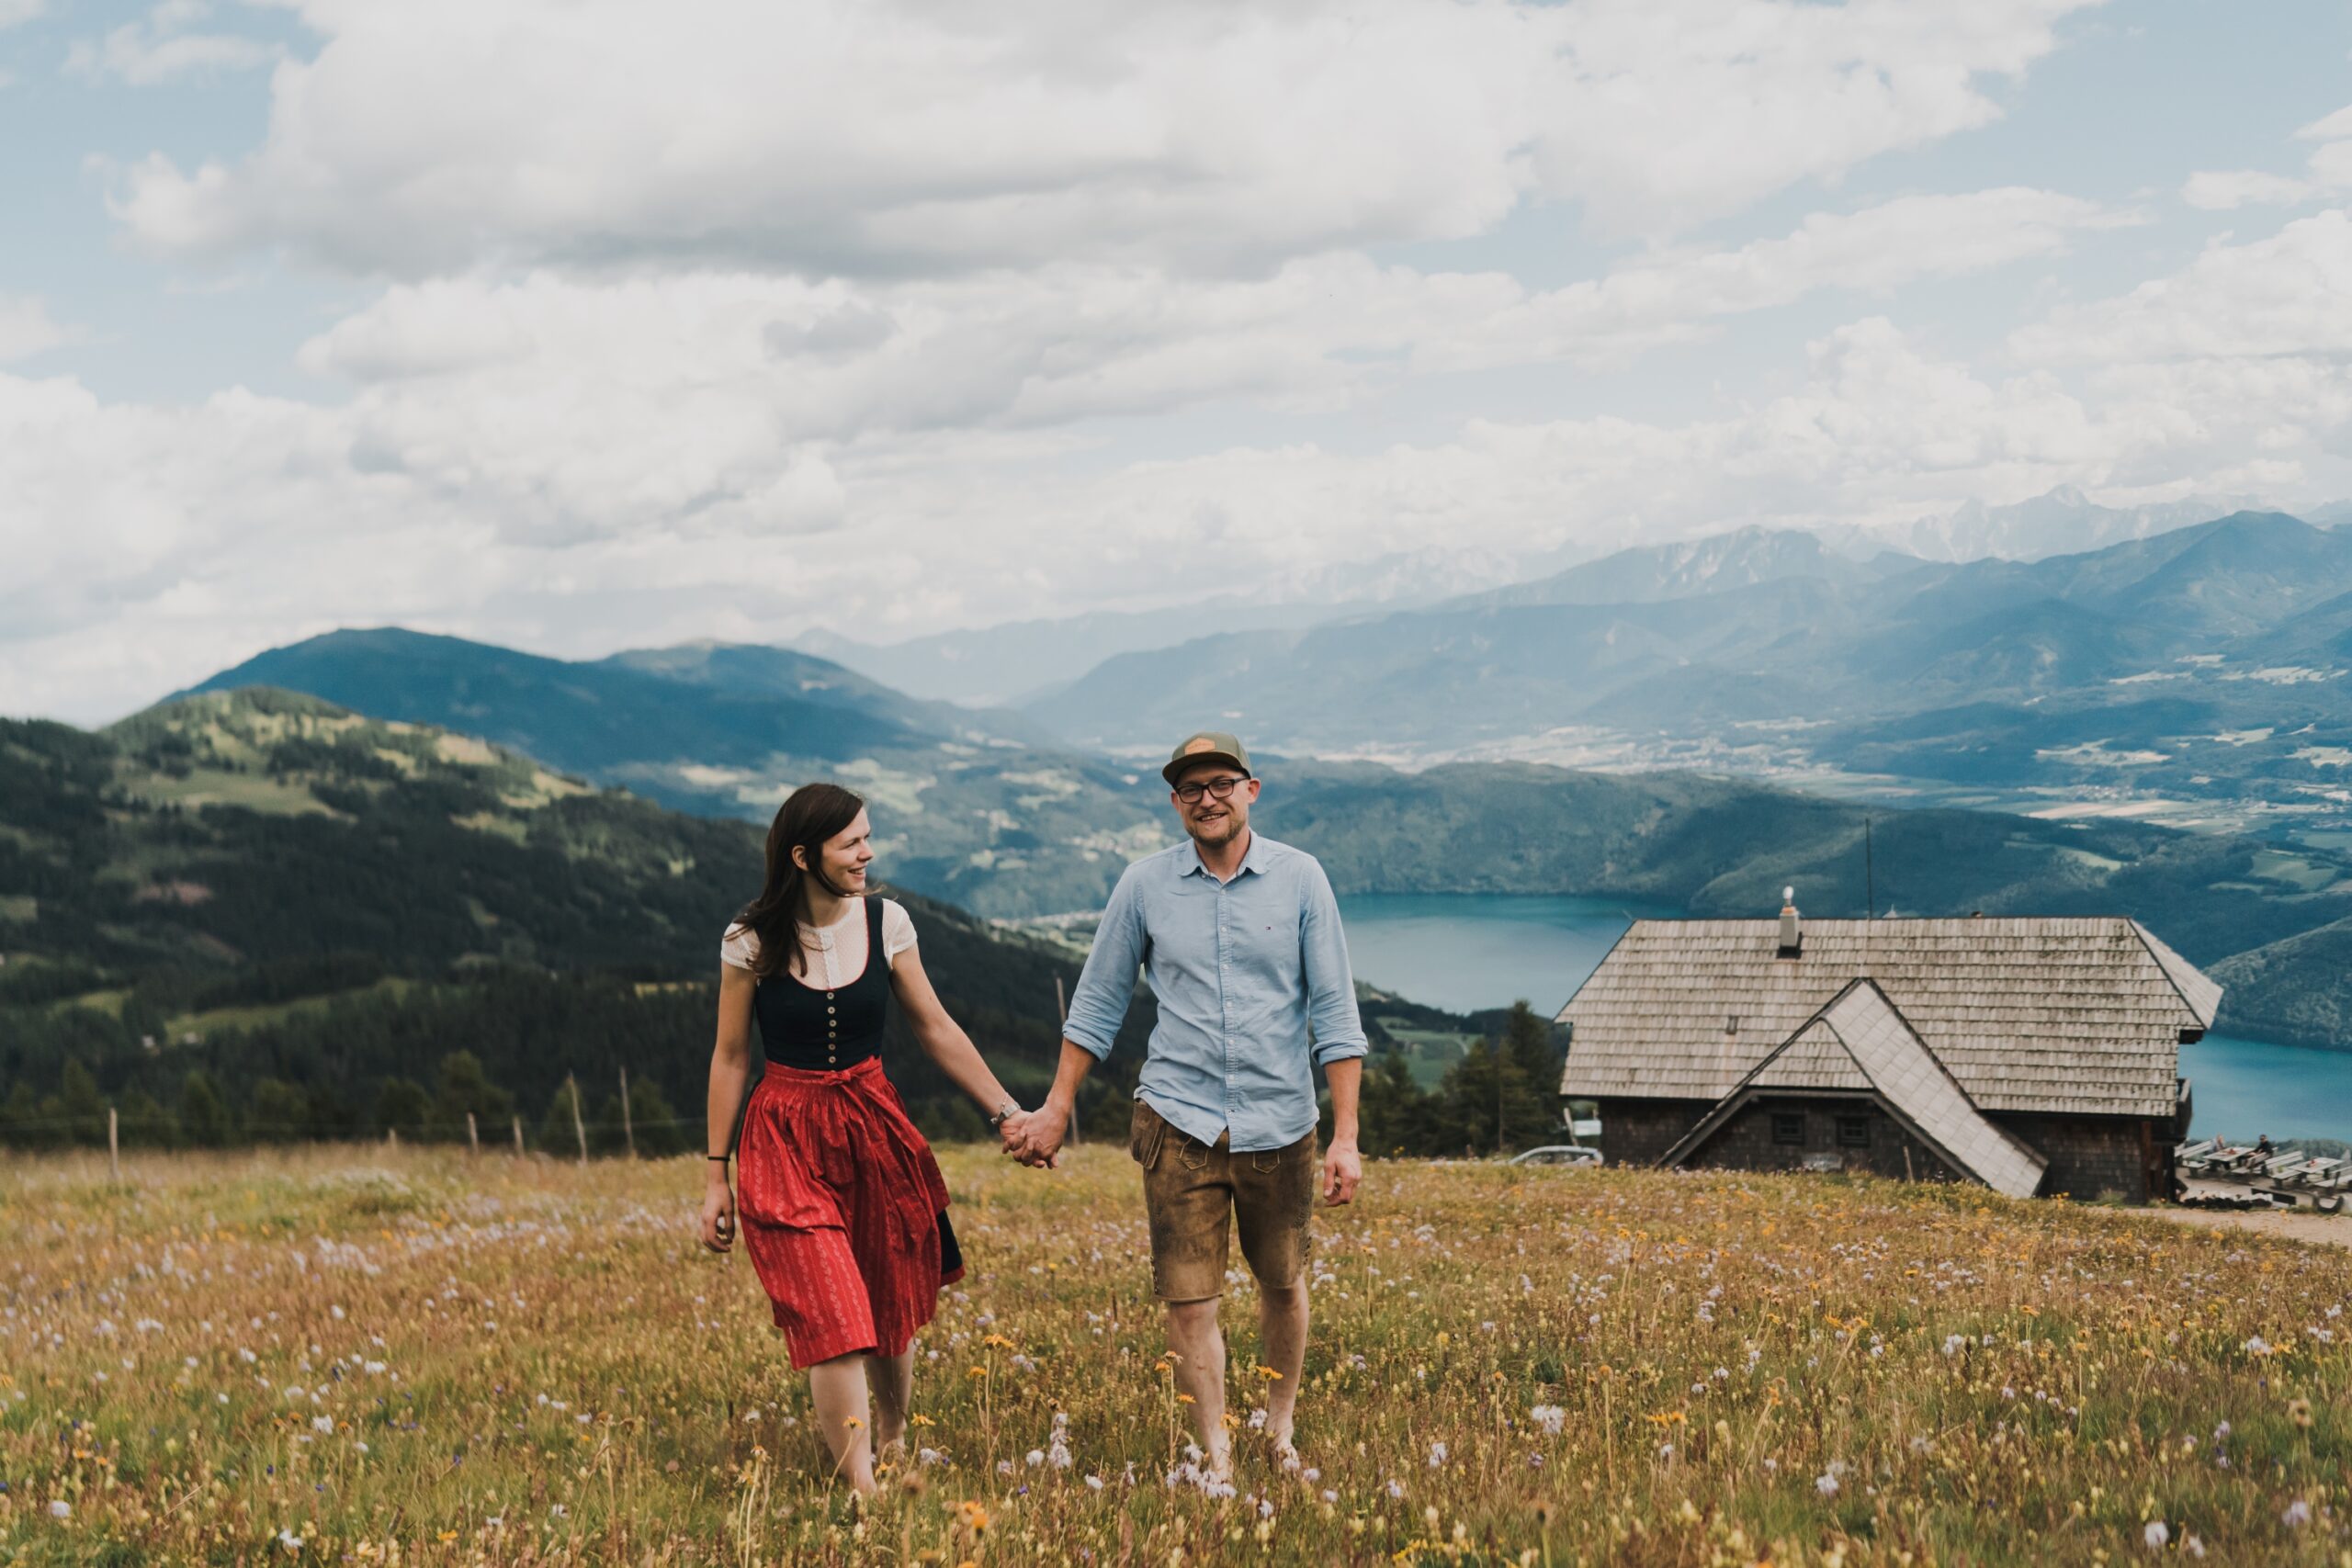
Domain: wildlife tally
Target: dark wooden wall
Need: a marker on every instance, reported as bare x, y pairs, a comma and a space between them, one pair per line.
1745, 1142
2124, 1158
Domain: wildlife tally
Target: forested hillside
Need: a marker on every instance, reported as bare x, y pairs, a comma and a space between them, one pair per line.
256, 914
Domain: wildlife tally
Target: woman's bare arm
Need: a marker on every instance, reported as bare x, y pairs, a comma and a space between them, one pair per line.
941, 1037
730, 1070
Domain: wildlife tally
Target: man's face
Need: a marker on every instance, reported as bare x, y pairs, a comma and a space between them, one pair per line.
1210, 820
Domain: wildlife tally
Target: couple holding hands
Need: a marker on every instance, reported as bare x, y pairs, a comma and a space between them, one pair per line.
840, 1203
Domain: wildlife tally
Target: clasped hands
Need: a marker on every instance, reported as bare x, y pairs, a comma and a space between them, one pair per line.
1035, 1137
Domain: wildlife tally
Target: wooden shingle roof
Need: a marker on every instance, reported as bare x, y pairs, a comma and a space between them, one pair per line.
1861, 1041
2036, 1014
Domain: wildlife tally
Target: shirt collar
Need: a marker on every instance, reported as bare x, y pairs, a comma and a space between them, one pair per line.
1189, 864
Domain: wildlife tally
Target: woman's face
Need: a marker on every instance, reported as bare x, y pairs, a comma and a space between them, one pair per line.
847, 854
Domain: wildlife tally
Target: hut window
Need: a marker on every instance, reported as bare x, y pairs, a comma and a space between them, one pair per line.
1788, 1127
1853, 1131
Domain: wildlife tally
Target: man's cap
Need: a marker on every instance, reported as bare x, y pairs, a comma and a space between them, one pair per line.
1208, 746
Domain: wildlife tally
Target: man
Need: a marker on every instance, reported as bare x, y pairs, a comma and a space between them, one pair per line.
1241, 938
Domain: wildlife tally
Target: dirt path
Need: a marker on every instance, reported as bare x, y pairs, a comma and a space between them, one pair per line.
2327, 1230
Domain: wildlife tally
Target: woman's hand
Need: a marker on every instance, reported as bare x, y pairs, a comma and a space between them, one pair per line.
718, 1216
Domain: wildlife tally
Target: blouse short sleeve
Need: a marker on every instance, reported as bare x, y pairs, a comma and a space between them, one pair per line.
897, 930
740, 947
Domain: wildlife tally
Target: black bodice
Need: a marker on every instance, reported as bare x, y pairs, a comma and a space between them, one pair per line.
820, 1031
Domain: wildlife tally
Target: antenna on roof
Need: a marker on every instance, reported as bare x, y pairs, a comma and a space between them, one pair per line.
1869, 880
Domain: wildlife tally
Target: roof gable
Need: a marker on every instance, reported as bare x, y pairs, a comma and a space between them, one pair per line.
1861, 1040
2058, 1015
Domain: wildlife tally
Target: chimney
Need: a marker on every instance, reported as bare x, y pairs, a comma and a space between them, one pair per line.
1792, 935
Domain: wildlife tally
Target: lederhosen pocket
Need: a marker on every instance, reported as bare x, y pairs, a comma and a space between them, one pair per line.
1144, 1135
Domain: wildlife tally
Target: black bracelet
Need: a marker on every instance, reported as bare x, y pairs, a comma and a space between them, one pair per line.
720, 1158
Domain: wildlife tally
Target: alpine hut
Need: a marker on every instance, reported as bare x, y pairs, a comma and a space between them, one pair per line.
2032, 1054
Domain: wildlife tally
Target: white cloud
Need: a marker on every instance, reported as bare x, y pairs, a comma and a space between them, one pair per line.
565, 394
882, 136
162, 47
2222, 190
27, 328
2286, 296
2330, 167
157, 544
16, 13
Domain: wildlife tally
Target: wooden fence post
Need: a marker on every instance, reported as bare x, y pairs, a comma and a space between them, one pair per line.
391, 1137
579, 1128
628, 1128
114, 1145
518, 1137
473, 1137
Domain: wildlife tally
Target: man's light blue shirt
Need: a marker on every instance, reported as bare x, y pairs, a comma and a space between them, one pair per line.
1253, 986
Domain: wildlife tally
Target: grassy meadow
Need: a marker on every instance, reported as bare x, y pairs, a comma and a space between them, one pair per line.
356, 1355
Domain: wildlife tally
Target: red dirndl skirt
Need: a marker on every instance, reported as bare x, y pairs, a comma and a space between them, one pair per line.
843, 1212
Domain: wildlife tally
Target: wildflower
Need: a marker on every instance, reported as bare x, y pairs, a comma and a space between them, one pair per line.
1395, 1487
2299, 1411
2193, 1545
61, 1509
2157, 1535
1551, 1418
323, 1424
2298, 1515
1437, 1456
1036, 1457
1826, 1485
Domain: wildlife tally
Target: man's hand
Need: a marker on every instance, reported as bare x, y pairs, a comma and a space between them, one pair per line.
1038, 1138
1012, 1130
1342, 1169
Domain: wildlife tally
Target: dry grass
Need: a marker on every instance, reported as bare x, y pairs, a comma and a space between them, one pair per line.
329, 1354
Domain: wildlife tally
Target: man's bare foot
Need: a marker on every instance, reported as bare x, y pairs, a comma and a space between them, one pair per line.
1285, 1452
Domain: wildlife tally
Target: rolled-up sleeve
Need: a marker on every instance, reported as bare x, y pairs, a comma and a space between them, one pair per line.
1330, 983
1108, 982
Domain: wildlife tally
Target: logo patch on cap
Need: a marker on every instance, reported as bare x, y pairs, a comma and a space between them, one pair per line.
1199, 743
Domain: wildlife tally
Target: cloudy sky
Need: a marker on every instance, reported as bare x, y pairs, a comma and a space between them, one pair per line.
583, 324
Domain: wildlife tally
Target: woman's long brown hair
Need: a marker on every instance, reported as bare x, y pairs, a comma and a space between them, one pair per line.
809, 816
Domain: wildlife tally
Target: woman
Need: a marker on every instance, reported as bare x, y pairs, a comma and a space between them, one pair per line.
845, 1212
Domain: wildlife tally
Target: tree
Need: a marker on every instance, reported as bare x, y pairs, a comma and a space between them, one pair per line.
462, 1086
204, 1115
403, 1106
20, 1120
660, 1131
145, 1124
556, 1134
1504, 1094
1531, 1111
79, 1105
1394, 1110
280, 1113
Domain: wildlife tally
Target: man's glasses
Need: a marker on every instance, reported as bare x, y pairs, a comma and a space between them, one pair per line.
1190, 793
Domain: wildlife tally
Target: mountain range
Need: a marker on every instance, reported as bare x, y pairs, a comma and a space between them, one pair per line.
2204, 667
968, 815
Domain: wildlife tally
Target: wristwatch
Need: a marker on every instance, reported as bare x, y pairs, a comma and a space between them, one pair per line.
1007, 1110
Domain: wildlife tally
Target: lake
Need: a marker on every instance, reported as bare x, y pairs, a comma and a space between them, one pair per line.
1466, 950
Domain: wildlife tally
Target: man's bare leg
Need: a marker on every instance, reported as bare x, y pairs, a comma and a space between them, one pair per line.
1199, 1343
837, 1389
1282, 1331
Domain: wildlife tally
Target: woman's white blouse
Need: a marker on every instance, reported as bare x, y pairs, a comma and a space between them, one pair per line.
836, 954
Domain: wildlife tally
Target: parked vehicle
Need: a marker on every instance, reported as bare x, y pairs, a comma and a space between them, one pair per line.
1559, 1154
